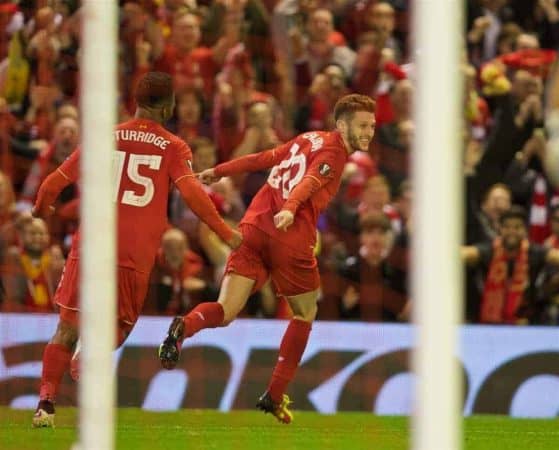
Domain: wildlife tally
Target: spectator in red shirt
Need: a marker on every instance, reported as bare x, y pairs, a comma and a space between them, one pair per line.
65, 140
235, 95
313, 51
372, 289
175, 277
191, 65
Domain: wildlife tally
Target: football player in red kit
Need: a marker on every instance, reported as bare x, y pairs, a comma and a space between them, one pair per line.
147, 159
279, 234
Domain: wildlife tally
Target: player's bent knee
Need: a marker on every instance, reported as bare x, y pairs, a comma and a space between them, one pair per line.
304, 306
66, 334
308, 315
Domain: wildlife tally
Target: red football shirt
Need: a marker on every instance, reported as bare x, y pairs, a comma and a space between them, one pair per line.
147, 160
318, 155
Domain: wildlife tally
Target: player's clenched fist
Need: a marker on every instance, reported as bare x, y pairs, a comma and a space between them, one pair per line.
235, 240
283, 220
208, 176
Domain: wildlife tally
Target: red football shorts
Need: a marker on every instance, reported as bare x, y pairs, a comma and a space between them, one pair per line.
293, 271
132, 288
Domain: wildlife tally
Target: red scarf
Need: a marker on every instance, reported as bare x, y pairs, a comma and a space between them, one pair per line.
539, 217
40, 290
502, 296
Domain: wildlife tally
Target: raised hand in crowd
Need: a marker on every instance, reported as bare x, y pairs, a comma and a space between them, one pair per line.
481, 24
550, 10
530, 108
143, 52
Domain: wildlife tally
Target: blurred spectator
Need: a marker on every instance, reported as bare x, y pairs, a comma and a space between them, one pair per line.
203, 154
371, 291
359, 168
169, 9
193, 66
32, 270
7, 215
377, 19
540, 17
399, 212
380, 21
553, 240
484, 21
396, 141
315, 50
44, 47
175, 277
65, 140
327, 87
235, 95
484, 222
226, 199
477, 109
260, 134
530, 187
251, 20
511, 268
191, 120
516, 115
375, 197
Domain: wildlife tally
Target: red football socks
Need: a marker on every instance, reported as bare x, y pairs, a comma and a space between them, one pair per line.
56, 360
205, 315
291, 349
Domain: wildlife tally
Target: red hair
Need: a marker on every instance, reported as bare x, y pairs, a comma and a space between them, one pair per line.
352, 103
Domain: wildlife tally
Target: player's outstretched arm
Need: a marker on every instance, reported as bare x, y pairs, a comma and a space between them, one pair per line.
199, 202
253, 162
51, 187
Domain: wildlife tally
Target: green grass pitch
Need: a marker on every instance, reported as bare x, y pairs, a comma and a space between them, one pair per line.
248, 430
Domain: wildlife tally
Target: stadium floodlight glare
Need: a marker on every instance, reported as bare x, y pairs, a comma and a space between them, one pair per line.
437, 178
98, 109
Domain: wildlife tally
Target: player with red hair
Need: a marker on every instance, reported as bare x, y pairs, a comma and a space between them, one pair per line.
147, 158
279, 235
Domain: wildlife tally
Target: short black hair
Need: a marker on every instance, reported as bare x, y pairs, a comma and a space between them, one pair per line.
514, 212
155, 89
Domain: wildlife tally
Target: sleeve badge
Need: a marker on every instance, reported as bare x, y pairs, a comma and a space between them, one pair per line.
324, 169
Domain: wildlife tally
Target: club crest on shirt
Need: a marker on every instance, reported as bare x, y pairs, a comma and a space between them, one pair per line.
324, 169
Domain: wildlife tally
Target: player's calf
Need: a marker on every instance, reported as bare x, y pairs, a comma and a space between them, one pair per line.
170, 348
75, 362
44, 415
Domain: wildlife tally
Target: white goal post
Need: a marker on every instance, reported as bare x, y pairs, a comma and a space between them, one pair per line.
98, 305
437, 222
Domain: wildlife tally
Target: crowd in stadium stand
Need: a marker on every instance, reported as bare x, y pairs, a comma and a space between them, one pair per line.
250, 74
